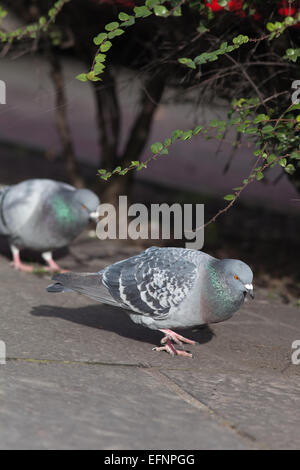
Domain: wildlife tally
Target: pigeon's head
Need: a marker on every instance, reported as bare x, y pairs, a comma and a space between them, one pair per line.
238, 275
89, 202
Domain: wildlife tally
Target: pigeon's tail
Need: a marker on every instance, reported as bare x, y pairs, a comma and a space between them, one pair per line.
83, 283
57, 287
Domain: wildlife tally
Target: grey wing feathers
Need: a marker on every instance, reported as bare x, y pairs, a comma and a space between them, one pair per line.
152, 282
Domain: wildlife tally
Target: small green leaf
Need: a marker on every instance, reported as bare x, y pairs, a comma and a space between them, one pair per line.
160, 10
142, 165
271, 158
105, 46
187, 135
176, 134
294, 107
295, 154
197, 130
123, 16
213, 123
100, 57
119, 32
261, 118
267, 129
156, 147
290, 169
177, 12
142, 12
116, 32
91, 75
100, 38
117, 170
112, 26
188, 62
99, 67
129, 22
282, 162
229, 197
82, 77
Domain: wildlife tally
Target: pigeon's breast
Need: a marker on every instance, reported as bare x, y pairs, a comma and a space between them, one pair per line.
60, 221
52, 224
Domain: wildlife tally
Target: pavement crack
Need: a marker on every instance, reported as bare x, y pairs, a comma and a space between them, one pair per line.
71, 362
196, 403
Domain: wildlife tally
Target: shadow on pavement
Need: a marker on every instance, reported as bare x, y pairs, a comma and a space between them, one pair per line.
117, 321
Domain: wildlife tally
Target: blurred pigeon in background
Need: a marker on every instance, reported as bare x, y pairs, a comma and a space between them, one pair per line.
166, 289
44, 215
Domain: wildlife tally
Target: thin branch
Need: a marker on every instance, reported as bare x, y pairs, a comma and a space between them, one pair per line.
62, 121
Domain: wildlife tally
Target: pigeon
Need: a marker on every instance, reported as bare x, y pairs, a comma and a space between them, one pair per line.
166, 289
43, 215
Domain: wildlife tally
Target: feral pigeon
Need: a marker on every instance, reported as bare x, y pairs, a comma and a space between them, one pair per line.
44, 215
167, 288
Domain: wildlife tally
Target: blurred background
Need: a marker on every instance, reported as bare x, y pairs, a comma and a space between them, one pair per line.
54, 126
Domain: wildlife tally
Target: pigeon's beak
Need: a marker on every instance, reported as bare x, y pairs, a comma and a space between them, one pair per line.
249, 289
94, 216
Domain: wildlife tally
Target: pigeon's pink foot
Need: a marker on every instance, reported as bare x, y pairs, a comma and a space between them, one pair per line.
52, 265
170, 349
19, 266
168, 346
178, 339
55, 268
17, 263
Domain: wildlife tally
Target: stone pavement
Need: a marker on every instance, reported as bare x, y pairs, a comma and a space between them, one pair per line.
81, 375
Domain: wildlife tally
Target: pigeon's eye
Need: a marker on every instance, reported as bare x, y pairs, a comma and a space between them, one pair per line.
236, 277
84, 206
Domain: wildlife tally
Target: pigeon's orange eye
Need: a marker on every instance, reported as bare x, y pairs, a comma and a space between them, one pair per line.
236, 277
84, 206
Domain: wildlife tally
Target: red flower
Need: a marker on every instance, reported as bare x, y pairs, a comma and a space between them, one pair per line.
285, 9
214, 6
234, 5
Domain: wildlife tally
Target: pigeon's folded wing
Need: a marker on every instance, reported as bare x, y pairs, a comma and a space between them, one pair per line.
152, 282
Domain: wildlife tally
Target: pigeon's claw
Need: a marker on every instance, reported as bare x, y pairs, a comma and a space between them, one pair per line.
52, 265
55, 269
170, 349
19, 266
178, 339
17, 263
